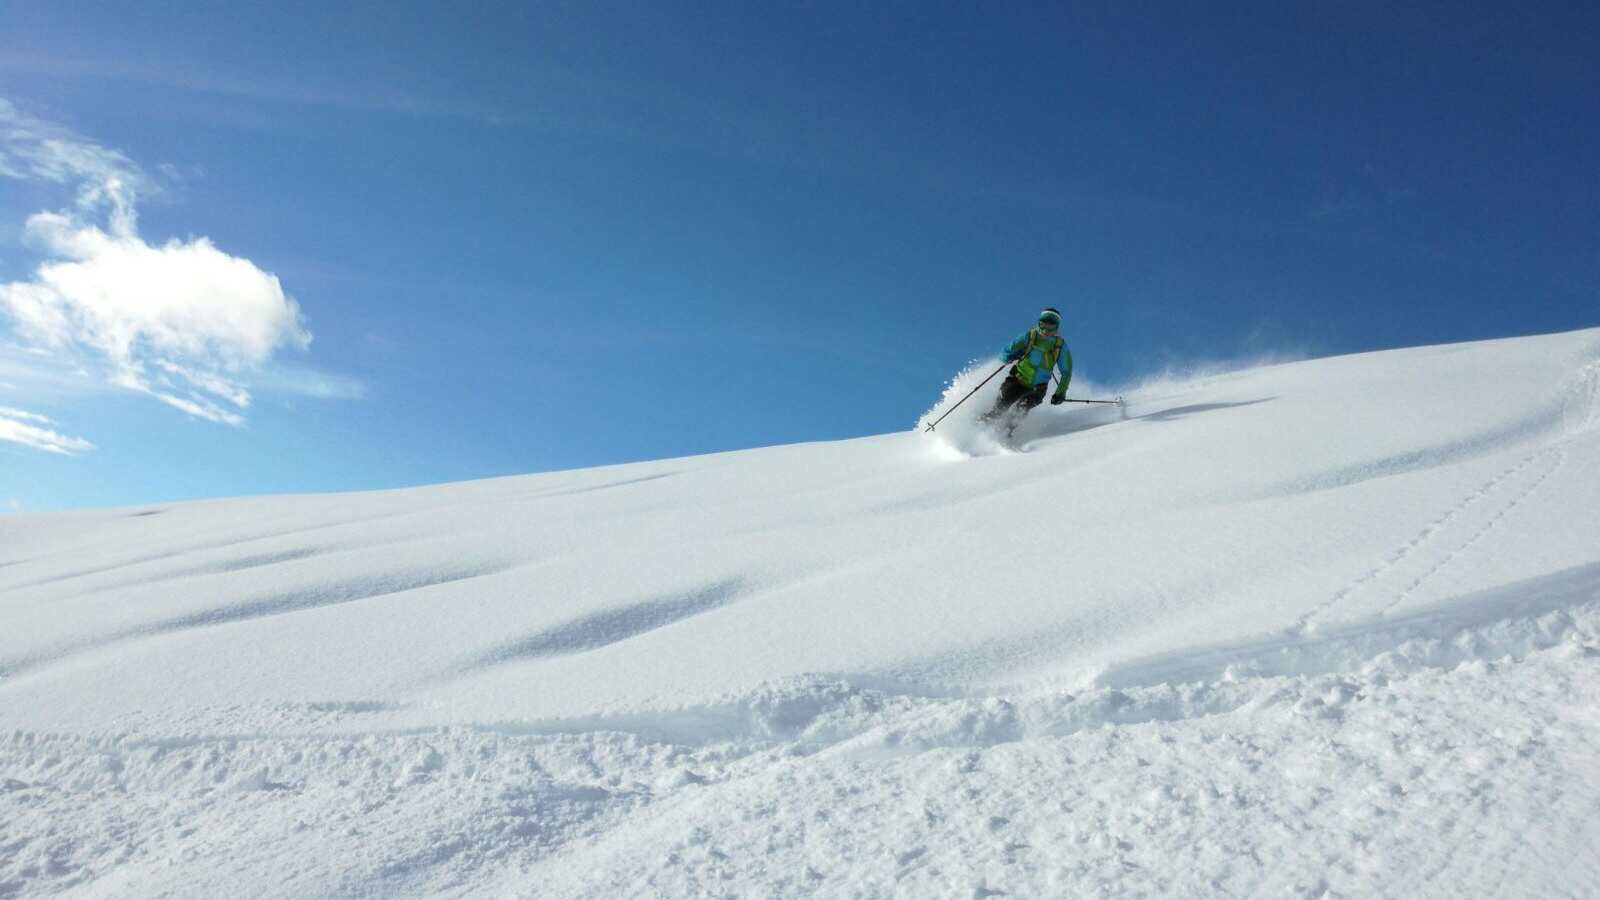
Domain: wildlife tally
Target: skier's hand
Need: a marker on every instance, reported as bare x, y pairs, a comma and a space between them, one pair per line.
1057, 399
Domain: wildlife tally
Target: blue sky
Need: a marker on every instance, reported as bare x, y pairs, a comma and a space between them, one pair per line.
519, 238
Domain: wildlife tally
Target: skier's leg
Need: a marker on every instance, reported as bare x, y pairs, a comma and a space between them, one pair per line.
1011, 390
1033, 398
1024, 404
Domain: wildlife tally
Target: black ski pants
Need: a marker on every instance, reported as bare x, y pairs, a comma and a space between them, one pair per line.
1014, 393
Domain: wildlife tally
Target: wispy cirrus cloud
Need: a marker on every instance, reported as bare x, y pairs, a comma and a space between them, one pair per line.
183, 322
285, 87
18, 426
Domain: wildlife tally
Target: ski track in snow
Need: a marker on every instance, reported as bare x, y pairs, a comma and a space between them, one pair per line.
1439, 542
1381, 675
1576, 413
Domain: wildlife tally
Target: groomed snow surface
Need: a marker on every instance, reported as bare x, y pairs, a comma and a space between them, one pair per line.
1329, 628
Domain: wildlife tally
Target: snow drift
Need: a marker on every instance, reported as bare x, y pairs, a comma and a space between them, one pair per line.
1323, 628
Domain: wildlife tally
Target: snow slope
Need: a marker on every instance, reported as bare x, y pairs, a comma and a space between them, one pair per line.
1329, 628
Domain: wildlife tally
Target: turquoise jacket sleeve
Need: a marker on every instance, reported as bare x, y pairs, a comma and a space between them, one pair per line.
1013, 351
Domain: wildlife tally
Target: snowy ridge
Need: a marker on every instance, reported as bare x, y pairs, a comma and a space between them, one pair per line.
1277, 639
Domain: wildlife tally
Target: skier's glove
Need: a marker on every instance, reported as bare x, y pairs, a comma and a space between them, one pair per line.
1057, 400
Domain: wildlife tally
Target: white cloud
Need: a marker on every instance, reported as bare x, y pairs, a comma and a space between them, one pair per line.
35, 150
25, 416
183, 321
19, 426
36, 372
311, 383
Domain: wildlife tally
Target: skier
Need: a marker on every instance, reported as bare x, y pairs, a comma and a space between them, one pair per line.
1036, 353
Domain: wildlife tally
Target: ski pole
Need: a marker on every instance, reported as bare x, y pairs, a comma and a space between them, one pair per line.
969, 394
1052, 380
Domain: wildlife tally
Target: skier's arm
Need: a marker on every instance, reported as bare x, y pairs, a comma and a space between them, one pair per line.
1064, 364
1013, 350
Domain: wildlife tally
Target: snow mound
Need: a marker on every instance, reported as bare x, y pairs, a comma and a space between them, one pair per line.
1328, 627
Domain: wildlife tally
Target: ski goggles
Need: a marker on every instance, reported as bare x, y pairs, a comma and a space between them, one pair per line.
1049, 324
